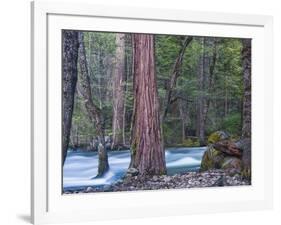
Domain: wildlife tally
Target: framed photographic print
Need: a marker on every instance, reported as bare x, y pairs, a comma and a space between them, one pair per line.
140, 112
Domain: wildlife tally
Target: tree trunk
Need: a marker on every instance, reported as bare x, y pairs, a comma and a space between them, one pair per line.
93, 111
174, 76
201, 99
118, 93
225, 95
246, 64
184, 114
148, 154
70, 54
246, 123
205, 82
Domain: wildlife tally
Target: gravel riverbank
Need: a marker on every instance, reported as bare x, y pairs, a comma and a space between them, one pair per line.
210, 178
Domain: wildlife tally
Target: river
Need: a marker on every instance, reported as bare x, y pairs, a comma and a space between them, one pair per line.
81, 167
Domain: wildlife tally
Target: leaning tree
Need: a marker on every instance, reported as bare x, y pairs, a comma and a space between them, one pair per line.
93, 111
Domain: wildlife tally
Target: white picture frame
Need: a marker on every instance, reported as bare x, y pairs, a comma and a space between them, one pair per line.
48, 205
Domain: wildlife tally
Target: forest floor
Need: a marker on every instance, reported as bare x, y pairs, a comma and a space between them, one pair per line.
210, 178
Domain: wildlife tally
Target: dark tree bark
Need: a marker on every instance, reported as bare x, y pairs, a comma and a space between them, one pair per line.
118, 93
70, 54
246, 65
174, 76
94, 112
148, 154
246, 122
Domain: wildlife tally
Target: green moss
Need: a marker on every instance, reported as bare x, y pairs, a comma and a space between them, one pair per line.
134, 148
218, 136
196, 143
214, 137
206, 162
187, 142
246, 173
211, 159
190, 142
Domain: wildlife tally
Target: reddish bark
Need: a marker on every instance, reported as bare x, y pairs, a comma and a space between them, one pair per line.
148, 154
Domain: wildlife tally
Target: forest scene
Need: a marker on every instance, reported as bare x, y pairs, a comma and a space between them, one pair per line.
154, 111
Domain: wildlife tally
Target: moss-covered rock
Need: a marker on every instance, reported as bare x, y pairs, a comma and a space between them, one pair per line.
212, 159
218, 136
217, 155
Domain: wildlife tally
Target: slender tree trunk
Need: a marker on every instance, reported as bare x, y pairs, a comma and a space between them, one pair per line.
100, 70
148, 154
246, 123
128, 89
201, 99
118, 93
174, 76
70, 54
211, 64
225, 96
226, 103
184, 114
125, 96
93, 111
206, 67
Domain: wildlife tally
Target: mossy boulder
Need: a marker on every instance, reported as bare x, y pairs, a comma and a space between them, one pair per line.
218, 136
212, 159
222, 153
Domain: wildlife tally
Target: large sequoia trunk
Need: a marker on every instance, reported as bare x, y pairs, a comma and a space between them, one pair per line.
70, 54
148, 155
246, 122
94, 112
118, 93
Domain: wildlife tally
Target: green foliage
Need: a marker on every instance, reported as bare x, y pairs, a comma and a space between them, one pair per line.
223, 95
213, 138
232, 123
170, 131
191, 142
211, 159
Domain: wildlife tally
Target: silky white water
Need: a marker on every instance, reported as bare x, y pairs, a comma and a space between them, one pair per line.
81, 167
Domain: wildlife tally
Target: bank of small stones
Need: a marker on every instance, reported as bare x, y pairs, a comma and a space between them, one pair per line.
211, 178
